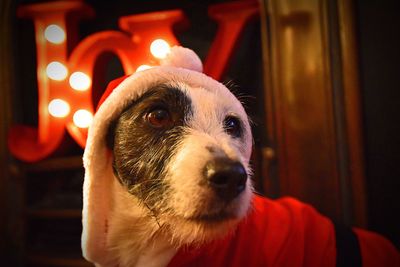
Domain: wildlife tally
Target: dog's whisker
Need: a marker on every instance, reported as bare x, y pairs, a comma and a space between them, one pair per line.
153, 214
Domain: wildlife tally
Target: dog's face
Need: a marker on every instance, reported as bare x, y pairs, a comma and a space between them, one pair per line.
184, 154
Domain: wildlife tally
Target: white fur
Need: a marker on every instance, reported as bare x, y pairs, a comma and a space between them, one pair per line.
134, 238
185, 173
117, 231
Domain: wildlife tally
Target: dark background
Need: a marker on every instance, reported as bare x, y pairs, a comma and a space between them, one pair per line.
379, 43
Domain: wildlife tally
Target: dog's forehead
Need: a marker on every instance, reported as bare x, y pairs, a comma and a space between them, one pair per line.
219, 99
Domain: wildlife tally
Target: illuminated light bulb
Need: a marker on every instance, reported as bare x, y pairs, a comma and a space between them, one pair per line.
56, 71
143, 67
159, 48
54, 34
58, 108
82, 118
80, 81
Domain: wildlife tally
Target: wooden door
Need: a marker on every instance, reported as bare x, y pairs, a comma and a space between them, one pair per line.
312, 106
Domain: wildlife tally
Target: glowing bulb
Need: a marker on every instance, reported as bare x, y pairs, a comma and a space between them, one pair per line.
143, 67
80, 81
159, 48
82, 118
54, 34
58, 108
56, 71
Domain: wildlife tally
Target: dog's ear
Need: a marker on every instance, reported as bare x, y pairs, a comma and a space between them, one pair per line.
111, 129
111, 135
110, 144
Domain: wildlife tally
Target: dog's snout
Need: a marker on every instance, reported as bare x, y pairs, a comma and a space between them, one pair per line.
227, 177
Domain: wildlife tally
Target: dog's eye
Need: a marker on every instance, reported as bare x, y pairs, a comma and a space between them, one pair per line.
233, 126
159, 118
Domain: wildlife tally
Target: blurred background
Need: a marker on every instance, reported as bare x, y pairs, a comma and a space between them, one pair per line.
320, 80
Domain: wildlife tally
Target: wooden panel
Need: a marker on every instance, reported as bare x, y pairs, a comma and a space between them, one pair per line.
55, 213
313, 106
37, 259
11, 224
352, 106
48, 165
302, 127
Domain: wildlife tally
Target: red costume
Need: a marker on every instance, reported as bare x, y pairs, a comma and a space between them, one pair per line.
285, 233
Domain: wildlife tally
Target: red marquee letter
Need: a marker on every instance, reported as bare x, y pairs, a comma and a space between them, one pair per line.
132, 48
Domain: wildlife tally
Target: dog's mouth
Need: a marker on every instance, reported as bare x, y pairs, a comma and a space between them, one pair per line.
212, 218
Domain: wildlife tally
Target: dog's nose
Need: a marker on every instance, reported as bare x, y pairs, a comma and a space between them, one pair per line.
227, 177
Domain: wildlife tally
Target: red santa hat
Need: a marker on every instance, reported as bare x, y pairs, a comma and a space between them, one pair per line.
181, 65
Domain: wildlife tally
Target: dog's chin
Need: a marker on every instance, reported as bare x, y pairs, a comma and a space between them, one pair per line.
205, 218
202, 228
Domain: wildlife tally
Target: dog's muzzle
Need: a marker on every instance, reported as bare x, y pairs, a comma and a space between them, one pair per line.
226, 177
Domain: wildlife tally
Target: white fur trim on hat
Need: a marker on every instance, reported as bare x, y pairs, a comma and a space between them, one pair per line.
182, 65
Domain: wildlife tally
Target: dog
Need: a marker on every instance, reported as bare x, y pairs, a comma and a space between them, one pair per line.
181, 162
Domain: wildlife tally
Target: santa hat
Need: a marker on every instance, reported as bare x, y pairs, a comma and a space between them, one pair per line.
181, 65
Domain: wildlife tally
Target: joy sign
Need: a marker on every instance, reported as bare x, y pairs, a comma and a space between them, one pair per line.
65, 80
